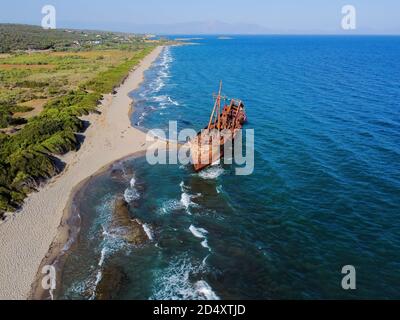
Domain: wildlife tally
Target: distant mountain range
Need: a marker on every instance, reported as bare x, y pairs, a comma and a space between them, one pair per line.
213, 27
198, 28
203, 27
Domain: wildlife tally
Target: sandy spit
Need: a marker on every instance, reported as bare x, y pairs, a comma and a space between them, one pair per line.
26, 237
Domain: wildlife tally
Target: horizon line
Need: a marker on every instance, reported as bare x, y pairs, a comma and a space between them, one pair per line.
304, 33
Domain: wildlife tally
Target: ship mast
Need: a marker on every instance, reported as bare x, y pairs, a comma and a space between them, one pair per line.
217, 104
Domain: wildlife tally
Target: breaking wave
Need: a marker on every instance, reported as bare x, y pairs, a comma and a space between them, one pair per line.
198, 232
174, 283
163, 71
201, 234
212, 173
150, 98
148, 231
131, 194
165, 100
109, 245
170, 206
186, 198
205, 290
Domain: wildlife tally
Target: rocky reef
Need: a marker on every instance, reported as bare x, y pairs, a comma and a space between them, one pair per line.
131, 230
110, 284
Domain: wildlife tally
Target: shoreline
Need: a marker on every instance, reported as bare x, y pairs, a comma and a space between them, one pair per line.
67, 235
38, 233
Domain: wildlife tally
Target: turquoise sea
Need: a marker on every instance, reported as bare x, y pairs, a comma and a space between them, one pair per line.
325, 192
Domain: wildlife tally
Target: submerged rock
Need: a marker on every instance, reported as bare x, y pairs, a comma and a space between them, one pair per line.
129, 229
117, 174
110, 284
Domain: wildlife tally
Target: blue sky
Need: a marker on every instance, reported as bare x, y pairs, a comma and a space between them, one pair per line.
273, 16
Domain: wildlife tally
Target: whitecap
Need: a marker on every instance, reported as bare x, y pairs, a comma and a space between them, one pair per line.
80, 287
110, 244
204, 244
201, 234
211, 173
157, 85
198, 232
148, 231
205, 290
162, 71
51, 292
186, 198
112, 240
169, 206
103, 256
205, 260
132, 182
99, 276
186, 201
173, 101
165, 100
103, 215
131, 195
174, 283
162, 98
182, 186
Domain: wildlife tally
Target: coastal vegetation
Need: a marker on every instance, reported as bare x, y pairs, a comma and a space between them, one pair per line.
26, 37
44, 93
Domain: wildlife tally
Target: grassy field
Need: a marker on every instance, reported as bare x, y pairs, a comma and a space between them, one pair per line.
42, 96
29, 80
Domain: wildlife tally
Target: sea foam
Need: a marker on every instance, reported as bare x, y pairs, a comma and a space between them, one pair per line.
198, 232
131, 194
205, 290
148, 231
201, 234
174, 283
211, 173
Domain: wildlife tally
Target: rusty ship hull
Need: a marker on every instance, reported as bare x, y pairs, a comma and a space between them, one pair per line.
208, 147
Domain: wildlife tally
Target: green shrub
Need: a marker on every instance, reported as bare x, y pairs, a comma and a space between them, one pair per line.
20, 108
5, 117
60, 143
31, 163
31, 84
26, 157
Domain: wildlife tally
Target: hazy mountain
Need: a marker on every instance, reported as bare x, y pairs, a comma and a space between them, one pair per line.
199, 27
211, 27
207, 27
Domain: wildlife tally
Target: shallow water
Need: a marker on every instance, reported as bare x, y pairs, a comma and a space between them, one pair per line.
325, 191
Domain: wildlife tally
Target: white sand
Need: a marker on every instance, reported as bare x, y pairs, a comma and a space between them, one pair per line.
26, 237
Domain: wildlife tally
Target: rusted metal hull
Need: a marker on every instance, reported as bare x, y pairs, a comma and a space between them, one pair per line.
205, 155
209, 145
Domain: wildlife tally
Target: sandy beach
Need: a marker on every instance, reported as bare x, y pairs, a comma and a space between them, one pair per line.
26, 237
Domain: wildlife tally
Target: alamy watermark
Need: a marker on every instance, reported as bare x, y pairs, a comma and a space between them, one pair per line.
49, 18
49, 278
349, 281
349, 20
208, 148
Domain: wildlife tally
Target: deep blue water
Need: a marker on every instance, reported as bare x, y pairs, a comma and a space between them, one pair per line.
325, 192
